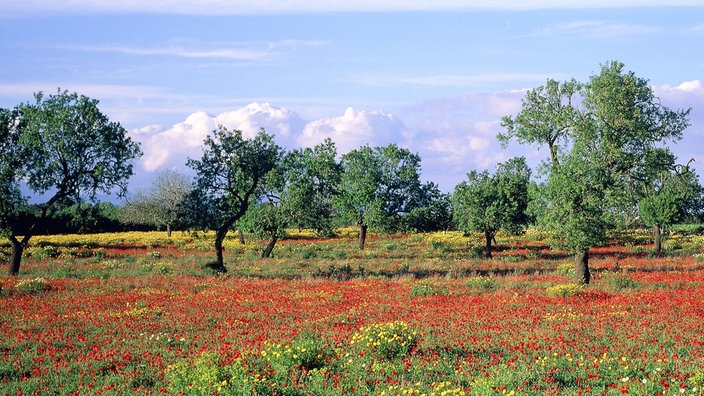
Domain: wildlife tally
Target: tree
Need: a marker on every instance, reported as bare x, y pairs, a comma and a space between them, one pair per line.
60, 147
487, 204
431, 210
377, 187
667, 192
547, 117
312, 178
618, 122
298, 192
161, 204
227, 176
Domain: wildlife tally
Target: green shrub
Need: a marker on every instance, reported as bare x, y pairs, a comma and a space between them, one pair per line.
426, 288
33, 286
620, 281
481, 283
385, 340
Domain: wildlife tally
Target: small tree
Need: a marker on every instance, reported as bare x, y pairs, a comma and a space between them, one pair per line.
298, 192
59, 147
228, 175
487, 204
378, 186
667, 193
161, 204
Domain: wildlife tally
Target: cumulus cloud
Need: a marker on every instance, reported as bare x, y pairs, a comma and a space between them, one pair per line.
354, 129
171, 147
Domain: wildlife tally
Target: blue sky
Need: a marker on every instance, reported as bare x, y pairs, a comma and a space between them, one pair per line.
434, 77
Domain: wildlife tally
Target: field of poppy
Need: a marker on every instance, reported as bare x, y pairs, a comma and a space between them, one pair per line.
137, 313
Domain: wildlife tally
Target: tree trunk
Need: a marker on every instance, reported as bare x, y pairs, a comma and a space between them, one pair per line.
240, 236
266, 253
219, 264
17, 249
168, 230
657, 236
362, 235
489, 237
581, 268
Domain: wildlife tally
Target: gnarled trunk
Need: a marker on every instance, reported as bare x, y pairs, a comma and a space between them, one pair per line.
657, 237
362, 236
489, 237
266, 253
219, 264
17, 250
581, 267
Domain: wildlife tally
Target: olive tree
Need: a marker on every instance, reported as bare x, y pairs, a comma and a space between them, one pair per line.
298, 192
161, 204
488, 203
378, 186
58, 147
614, 124
227, 177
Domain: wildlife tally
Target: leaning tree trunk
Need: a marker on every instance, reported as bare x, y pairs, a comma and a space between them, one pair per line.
266, 253
581, 267
657, 236
362, 236
489, 237
17, 250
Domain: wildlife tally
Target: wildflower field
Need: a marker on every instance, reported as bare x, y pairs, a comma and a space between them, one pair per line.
137, 313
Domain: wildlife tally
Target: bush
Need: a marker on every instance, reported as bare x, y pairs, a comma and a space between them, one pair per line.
481, 283
426, 288
620, 281
33, 286
385, 340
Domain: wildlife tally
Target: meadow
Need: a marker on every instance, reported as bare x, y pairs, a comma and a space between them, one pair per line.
423, 314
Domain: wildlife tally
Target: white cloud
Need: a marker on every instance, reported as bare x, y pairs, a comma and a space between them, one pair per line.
244, 51
355, 129
171, 147
244, 7
596, 29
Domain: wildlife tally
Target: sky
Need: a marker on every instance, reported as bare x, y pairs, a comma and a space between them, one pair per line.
431, 76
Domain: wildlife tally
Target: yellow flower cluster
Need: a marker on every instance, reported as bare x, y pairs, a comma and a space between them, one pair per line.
564, 290
437, 389
388, 340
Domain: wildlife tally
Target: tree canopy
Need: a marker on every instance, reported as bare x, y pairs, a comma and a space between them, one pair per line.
616, 122
227, 177
488, 203
60, 147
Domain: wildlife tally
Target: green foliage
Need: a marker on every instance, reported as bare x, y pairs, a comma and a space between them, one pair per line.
33, 286
489, 203
427, 288
607, 141
481, 283
63, 147
378, 186
312, 177
227, 177
385, 340
207, 375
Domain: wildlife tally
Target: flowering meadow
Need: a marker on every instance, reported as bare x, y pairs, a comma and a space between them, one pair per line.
137, 313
